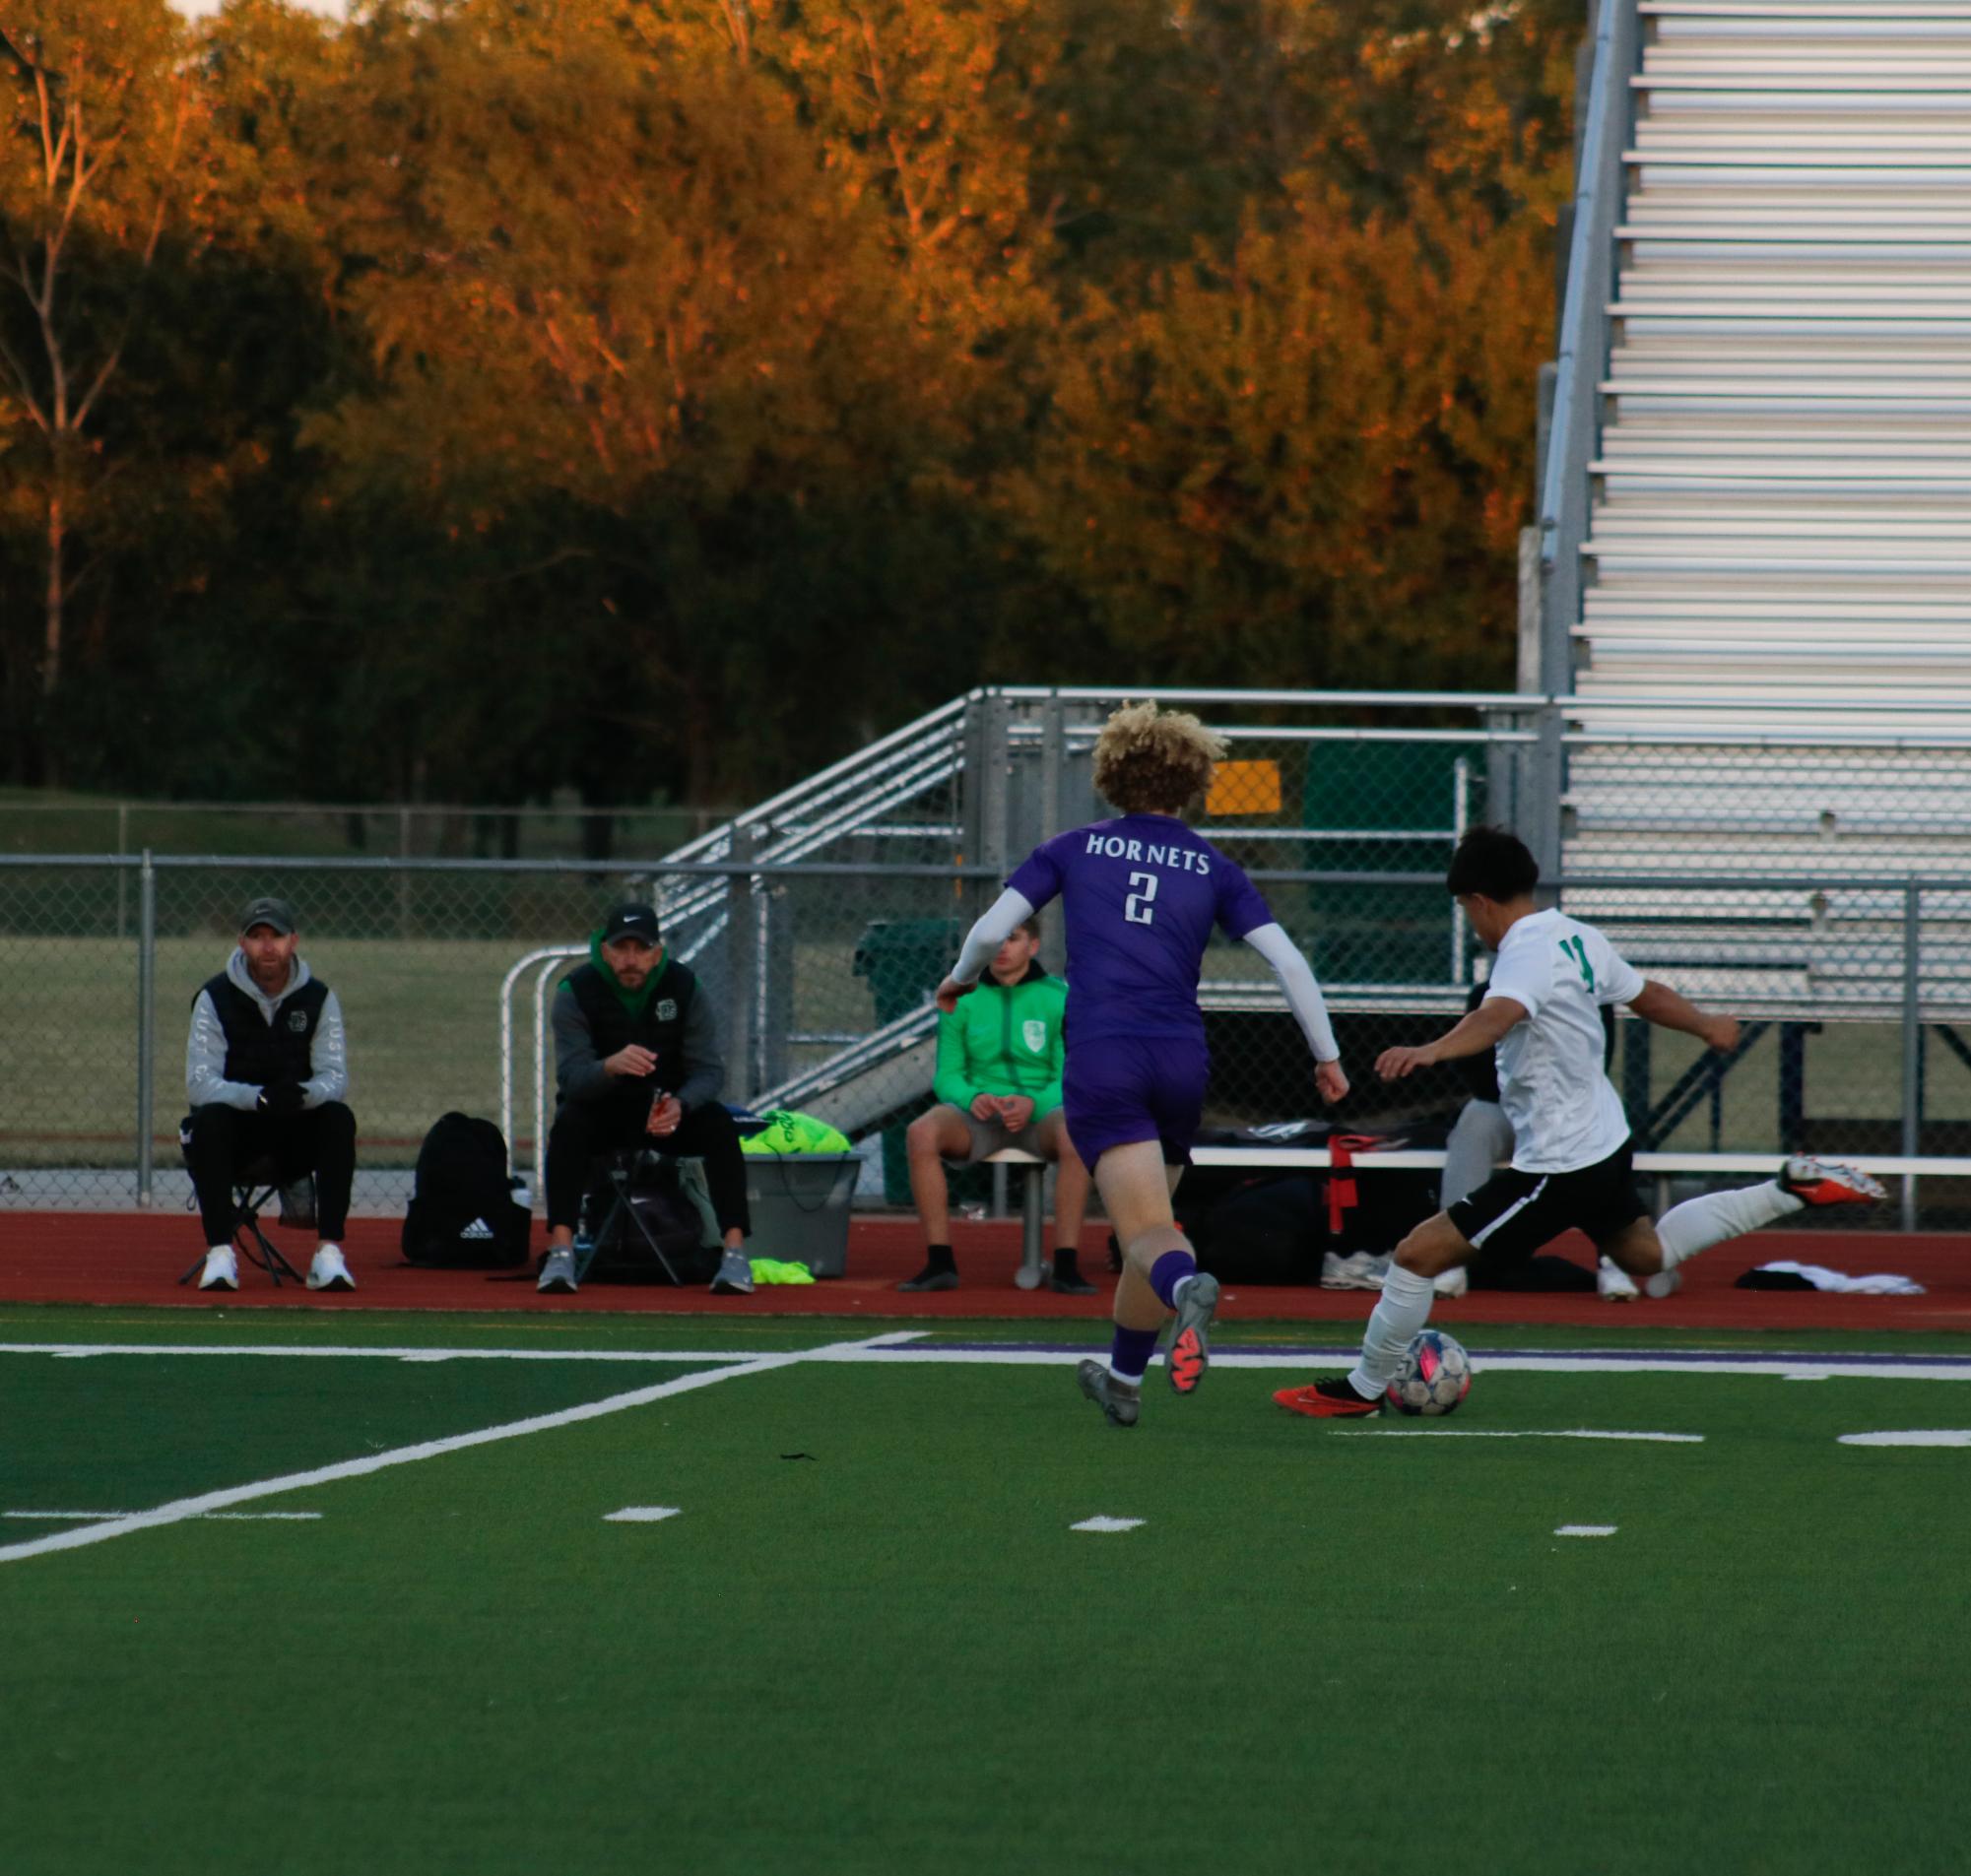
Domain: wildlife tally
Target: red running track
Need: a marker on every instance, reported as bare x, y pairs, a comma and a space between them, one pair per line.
136, 1258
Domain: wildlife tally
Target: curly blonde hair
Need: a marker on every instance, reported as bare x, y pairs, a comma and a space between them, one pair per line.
1152, 761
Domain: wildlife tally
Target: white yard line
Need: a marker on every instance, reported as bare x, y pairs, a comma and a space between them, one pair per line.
1534, 1433
67, 1518
1916, 1436
74, 1351
205, 1503
902, 1345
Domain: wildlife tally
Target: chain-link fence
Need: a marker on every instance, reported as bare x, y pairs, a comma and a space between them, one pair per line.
1813, 887
37, 822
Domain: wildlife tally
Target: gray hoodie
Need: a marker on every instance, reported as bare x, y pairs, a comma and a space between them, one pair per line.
205, 1047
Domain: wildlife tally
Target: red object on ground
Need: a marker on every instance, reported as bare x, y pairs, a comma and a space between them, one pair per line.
125, 1257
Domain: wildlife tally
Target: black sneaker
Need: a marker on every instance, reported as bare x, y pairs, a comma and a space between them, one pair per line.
933, 1276
1069, 1282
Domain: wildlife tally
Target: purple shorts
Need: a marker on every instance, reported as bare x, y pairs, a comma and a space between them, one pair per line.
1122, 1089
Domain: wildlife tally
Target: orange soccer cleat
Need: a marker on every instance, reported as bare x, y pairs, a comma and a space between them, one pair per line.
1334, 1399
1823, 1182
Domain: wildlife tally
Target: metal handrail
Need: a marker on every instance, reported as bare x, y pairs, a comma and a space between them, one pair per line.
1582, 353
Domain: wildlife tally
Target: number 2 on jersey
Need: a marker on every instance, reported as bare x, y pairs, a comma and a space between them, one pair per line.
1136, 908
1578, 952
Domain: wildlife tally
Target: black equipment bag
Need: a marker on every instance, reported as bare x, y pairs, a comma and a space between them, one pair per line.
664, 1210
462, 1214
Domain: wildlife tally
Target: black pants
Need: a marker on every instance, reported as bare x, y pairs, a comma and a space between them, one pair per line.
224, 1141
584, 1130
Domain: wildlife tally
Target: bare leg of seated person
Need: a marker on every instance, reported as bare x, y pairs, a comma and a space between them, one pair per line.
1070, 1203
931, 1139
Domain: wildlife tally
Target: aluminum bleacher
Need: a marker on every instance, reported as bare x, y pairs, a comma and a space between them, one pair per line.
1781, 494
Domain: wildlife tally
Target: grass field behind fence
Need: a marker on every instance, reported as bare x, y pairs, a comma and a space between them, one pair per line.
870, 1639
423, 1017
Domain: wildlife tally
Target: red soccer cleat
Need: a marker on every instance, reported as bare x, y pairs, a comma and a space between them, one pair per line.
1820, 1182
1332, 1400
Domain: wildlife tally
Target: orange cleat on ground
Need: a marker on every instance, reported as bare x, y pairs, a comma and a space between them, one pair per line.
1328, 1400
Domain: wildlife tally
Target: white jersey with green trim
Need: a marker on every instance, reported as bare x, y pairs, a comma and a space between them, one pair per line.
1564, 1111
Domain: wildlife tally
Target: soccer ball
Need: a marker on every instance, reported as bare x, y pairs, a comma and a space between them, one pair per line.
1435, 1376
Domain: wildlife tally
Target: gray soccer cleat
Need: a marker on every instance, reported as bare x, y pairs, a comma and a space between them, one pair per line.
1121, 1404
557, 1275
735, 1277
1190, 1355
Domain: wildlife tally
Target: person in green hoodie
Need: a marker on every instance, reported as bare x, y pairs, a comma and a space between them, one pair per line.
636, 1063
998, 1083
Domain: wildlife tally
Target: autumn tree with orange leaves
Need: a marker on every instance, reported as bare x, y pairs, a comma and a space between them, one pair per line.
681, 390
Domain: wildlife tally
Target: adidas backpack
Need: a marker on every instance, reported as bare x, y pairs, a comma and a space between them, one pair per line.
462, 1213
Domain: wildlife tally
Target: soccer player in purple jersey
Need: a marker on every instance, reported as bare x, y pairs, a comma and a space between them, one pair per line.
1141, 894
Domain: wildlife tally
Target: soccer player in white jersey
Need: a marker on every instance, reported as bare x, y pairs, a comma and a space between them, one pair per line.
1570, 1164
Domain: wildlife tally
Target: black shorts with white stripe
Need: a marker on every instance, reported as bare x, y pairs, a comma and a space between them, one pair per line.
1514, 1213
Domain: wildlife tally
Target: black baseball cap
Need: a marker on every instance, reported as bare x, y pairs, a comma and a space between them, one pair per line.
276, 912
630, 921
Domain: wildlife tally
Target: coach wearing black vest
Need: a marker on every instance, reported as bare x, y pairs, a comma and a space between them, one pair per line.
266, 1067
636, 1063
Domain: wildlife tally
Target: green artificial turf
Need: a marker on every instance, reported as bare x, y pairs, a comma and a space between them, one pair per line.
869, 1641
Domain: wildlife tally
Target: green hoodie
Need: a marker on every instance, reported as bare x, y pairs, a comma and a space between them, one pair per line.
1005, 1040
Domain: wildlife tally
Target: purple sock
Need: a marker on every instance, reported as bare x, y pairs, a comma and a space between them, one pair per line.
1132, 1353
1170, 1271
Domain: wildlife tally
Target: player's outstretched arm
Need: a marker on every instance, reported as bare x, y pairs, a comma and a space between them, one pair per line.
1004, 917
1309, 1007
1480, 1030
1662, 1005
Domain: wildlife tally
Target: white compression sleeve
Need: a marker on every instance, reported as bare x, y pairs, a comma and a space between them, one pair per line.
1004, 917
1699, 1223
1404, 1310
1303, 994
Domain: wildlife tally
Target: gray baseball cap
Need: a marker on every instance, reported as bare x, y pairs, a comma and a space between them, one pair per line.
275, 913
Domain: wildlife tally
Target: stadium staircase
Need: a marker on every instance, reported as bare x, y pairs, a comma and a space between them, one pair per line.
1779, 496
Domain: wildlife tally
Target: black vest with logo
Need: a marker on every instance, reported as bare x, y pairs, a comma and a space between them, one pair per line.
258, 1052
659, 1027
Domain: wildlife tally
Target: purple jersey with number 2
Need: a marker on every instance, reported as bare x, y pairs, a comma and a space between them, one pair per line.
1141, 895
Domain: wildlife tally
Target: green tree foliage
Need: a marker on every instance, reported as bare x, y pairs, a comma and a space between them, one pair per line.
663, 395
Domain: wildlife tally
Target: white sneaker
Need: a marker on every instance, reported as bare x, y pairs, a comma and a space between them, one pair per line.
329, 1272
1451, 1282
1358, 1270
222, 1269
1614, 1284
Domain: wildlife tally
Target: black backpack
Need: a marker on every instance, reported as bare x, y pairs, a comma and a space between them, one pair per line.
462, 1214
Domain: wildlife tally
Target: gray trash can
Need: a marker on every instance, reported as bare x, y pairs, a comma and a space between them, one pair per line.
800, 1206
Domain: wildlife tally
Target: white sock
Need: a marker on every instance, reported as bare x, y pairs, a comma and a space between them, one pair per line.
1134, 1383
212, 1249
1699, 1223
1178, 1288
1404, 1310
